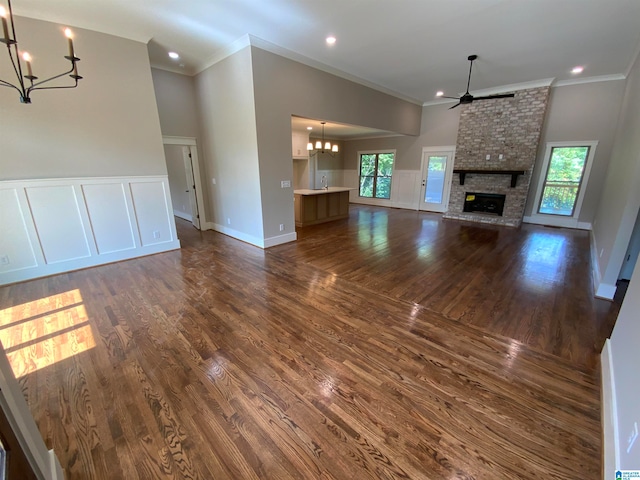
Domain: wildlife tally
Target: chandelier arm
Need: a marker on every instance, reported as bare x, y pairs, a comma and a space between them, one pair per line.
34, 85
7, 84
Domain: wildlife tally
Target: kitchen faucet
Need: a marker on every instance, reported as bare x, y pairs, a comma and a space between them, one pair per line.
325, 182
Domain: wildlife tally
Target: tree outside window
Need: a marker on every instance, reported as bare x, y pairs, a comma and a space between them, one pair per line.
375, 174
563, 180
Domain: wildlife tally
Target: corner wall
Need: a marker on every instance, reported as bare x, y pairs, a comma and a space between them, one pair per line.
612, 230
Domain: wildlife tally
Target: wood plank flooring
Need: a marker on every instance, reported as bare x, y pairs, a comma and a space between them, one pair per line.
390, 345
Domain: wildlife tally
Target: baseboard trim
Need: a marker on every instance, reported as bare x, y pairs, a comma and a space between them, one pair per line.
557, 222
611, 446
258, 242
595, 265
606, 291
280, 239
47, 270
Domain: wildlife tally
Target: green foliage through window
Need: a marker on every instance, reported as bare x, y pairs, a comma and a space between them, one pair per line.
563, 179
375, 174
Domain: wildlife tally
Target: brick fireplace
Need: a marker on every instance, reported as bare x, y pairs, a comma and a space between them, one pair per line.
495, 153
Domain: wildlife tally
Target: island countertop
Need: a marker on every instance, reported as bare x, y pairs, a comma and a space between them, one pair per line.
320, 191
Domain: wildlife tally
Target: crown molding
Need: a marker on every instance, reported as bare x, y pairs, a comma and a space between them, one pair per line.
599, 78
252, 40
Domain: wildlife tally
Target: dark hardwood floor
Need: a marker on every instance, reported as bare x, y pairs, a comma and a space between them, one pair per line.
393, 344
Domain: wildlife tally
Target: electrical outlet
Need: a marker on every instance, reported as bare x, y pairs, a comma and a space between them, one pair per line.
501, 157
282, 227
632, 437
285, 184
488, 157
156, 234
4, 260
213, 180
228, 221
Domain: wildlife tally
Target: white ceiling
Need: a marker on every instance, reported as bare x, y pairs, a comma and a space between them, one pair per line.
408, 47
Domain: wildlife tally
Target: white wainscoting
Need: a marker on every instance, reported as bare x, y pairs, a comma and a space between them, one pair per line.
405, 190
57, 225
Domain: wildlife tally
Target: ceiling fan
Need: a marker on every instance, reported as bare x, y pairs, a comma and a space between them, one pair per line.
467, 97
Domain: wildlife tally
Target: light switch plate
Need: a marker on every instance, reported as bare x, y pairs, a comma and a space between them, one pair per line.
285, 184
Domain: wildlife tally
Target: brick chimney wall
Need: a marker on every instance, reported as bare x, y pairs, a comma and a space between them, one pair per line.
510, 127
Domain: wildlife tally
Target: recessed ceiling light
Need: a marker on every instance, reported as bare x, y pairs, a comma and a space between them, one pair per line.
577, 69
309, 128
331, 40
439, 93
174, 55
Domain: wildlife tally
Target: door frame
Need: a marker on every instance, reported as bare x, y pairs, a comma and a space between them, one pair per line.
449, 150
195, 164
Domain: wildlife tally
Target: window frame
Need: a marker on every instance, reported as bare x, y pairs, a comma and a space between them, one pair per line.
544, 171
376, 152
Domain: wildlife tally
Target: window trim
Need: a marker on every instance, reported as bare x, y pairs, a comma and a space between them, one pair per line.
591, 144
393, 169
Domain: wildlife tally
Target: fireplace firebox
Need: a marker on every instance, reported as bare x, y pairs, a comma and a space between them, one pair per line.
491, 203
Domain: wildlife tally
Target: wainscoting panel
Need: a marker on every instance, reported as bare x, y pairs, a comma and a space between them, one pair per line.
58, 221
58, 225
109, 217
154, 224
16, 251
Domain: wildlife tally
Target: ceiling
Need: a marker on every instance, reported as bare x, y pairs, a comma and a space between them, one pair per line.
410, 48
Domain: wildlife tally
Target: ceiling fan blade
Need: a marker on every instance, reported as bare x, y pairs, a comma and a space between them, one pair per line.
499, 95
454, 106
453, 98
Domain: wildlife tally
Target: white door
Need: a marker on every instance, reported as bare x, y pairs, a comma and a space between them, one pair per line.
191, 186
436, 180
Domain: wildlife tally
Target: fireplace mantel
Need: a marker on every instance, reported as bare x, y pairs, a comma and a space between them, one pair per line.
514, 174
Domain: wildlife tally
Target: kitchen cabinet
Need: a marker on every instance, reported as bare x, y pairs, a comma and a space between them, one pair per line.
299, 145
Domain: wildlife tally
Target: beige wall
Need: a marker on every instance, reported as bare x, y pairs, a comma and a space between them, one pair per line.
108, 126
227, 117
179, 111
582, 112
177, 103
283, 87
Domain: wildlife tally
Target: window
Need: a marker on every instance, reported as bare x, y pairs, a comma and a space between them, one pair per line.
563, 180
375, 174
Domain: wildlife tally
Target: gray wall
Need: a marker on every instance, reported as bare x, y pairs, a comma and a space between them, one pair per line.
613, 226
230, 145
108, 126
177, 103
582, 112
179, 111
439, 127
283, 87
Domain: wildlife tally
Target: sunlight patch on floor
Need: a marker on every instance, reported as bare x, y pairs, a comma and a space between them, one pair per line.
39, 333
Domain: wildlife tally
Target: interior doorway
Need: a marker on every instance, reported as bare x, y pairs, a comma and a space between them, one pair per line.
631, 257
181, 155
437, 169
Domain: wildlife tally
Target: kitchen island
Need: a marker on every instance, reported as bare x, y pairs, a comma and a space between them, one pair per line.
322, 205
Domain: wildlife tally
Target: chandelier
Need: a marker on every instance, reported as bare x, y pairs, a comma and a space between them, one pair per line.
322, 146
28, 83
